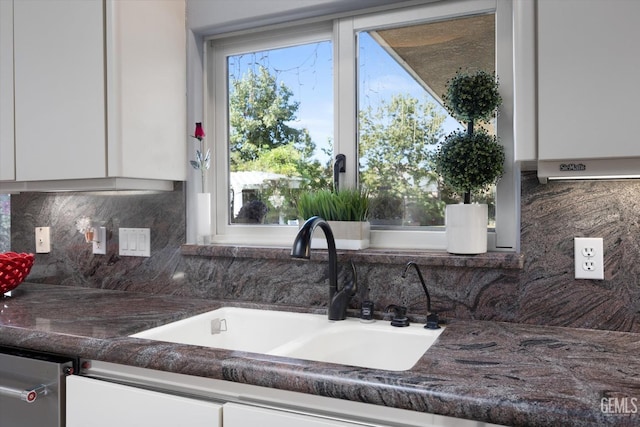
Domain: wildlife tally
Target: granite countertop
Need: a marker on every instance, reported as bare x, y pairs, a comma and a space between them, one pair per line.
503, 373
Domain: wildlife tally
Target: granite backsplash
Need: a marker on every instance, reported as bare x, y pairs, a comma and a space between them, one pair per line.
543, 292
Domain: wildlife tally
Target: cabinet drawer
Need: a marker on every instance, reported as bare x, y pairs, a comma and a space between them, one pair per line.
98, 403
236, 415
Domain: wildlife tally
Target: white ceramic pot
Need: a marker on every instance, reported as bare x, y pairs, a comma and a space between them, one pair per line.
203, 213
350, 235
466, 228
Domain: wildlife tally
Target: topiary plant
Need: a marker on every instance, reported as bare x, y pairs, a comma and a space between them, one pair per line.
469, 162
472, 96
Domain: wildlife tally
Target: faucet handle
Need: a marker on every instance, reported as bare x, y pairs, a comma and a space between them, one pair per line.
399, 315
432, 321
354, 276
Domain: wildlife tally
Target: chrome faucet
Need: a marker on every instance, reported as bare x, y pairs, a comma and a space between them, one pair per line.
338, 299
432, 318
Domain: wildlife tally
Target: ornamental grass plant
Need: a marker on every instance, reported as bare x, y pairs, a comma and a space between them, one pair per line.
342, 205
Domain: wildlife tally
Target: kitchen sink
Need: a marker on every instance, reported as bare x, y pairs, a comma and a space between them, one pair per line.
234, 328
371, 345
376, 345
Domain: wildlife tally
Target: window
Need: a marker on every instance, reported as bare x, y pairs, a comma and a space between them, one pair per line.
280, 127
401, 119
5, 223
273, 129
269, 91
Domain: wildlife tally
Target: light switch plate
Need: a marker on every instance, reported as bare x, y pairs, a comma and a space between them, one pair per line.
43, 240
135, 242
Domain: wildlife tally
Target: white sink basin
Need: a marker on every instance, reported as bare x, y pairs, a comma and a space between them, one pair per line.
376, 345
240, 329
371, 345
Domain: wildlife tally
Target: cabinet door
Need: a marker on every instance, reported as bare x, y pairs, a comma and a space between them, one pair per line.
587, 79
98, 403
236, 415
7, 168
59, 89
146, 89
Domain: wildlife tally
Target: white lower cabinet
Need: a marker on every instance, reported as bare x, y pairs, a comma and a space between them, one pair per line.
98, 403
124, 396
236, 415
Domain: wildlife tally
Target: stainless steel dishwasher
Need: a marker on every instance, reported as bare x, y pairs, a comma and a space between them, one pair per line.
32, 388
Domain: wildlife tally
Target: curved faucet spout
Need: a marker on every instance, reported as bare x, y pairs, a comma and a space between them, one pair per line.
432, 318
424, 286
338, 301
302, 243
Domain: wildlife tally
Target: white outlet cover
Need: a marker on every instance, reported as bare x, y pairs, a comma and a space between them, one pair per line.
589, 258
100, 243
43, 240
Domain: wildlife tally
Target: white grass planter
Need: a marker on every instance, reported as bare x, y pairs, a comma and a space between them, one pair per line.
466, 227
349, 235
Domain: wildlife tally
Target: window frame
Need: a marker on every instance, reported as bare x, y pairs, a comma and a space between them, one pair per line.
217, 119
342, 31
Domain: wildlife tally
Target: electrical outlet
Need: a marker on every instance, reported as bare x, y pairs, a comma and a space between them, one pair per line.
100, 241
588, 252
43, 240
589, 258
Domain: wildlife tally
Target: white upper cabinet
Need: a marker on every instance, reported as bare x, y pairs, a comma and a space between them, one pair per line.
146, 89
100, 93
7, 156
587, 79
59, 90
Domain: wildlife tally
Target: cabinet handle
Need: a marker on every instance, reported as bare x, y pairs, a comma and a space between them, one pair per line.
28, 395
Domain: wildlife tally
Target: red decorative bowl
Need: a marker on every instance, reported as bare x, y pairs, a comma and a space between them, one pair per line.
14, 268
